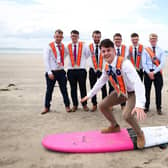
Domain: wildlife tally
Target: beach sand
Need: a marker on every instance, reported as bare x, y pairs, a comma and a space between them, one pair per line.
22, 127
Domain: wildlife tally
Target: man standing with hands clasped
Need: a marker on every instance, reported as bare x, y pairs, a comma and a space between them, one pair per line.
54, 64
127, 87
153, 62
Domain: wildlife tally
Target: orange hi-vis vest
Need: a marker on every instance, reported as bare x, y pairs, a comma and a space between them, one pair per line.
80, 46
153, 57
123, 50
52, 45
120, 86
98, 65
138, 61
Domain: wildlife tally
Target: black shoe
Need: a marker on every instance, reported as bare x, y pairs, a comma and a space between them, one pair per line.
159, 111
146, 110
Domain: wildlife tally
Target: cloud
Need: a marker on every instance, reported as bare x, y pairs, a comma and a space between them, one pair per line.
38, 19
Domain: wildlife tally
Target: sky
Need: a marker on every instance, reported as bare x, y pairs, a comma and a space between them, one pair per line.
31, 24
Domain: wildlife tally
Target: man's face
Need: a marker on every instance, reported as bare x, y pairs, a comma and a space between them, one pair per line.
108, 54
58, 37
96, 38
74, 37
117, 41
135, 40
153, 41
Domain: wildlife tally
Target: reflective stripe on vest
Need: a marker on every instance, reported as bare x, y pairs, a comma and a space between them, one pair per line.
123, 51
52, 45
138, 61
153, 57
80, 46
120, 87
96, 65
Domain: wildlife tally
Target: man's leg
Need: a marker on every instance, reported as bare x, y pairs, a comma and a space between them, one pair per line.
148, 84
49, 90
132, 121
158, 83
62, 80
93, 79
105, 108
73, 84
82, 74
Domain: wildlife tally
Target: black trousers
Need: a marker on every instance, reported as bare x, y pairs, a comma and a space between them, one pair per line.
141, 74
93, 76
77, 76
59, 76
158, 84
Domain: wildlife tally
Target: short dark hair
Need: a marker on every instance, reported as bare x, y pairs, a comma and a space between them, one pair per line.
59, 31
106, 43
134, 35
96, 32
117, 35
75, 32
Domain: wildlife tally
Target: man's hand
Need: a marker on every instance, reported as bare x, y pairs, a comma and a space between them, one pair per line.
151, 75
141, 115
51, 76
84, 99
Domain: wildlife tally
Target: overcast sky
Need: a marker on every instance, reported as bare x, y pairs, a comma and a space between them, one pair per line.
32, 23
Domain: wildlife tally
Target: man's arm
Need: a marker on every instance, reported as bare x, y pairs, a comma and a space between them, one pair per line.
134, 79
46, 63
162, 62
98, 85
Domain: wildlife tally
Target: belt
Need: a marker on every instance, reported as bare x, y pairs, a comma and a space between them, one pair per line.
56, 70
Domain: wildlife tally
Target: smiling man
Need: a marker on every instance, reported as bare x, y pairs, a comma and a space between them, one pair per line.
153, 62
127, 87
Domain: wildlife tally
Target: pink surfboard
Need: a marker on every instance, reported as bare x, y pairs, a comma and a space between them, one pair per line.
96, 142
89, 142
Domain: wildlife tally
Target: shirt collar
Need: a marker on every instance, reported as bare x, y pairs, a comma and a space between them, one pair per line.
117, 47
113, 64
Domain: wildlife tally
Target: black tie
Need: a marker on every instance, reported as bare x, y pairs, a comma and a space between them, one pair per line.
118, 52
154, 49
97, 52
110, 72
135, 54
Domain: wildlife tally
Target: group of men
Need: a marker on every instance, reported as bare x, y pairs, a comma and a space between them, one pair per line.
79, 54
124, 68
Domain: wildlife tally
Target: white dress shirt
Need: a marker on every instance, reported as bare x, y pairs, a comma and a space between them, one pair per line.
133, 54
147, 61
51, 63
90, 61
84, 57
131, 80
126, 50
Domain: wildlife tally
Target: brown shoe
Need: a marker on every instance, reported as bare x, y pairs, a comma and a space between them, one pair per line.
68, 109
159, 112
46, 110
94, 108
111, 129
74, 108
85, 108
141, 141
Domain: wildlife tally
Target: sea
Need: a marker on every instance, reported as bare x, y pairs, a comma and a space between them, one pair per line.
29, 51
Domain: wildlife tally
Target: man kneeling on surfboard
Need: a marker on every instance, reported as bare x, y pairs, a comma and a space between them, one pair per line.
127, 87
